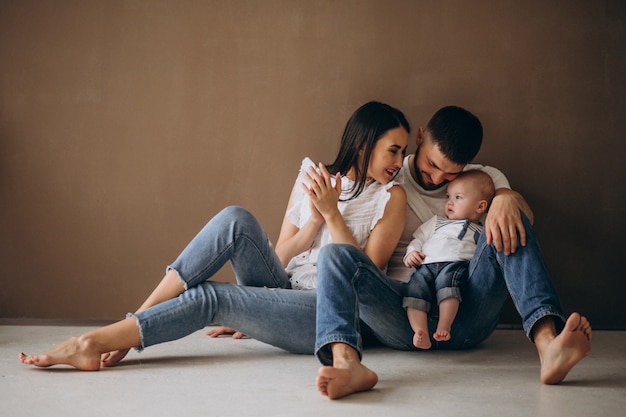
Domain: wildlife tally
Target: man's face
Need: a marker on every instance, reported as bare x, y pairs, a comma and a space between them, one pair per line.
433, 169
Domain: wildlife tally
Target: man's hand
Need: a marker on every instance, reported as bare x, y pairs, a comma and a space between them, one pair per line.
504, 224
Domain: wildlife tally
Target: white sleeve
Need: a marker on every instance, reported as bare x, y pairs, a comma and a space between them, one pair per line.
422, 234
498, 178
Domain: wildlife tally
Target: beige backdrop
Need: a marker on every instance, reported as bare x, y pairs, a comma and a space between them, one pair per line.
126, 125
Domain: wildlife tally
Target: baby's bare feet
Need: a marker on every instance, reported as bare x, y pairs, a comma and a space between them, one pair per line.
77, 352
567, 349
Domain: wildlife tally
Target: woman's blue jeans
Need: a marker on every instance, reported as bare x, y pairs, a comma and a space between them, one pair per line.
262, 306
352, 289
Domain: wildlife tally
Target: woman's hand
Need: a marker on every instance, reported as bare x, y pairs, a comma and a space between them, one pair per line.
222, 330
323, 195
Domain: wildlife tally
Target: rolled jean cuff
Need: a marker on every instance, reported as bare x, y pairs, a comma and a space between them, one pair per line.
141, 346
448, 292
416, 303
324, 353
529, 324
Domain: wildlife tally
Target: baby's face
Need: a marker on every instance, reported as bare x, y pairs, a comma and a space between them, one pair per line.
463, 201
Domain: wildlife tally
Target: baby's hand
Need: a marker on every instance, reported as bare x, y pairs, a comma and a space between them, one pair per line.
414, 259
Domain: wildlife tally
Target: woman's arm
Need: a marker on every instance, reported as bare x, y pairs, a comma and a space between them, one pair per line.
385, 235
293, 241
388, 230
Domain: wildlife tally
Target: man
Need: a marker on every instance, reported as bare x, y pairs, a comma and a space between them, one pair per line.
507, 261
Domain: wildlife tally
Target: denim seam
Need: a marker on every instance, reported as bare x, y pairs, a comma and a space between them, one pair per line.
265, 263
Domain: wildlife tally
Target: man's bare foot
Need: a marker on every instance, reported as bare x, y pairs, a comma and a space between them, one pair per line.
559, 355
335, 382
441, 335
112, 358
421, 339
77, 352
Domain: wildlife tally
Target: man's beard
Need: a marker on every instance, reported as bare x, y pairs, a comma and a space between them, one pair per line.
420, 176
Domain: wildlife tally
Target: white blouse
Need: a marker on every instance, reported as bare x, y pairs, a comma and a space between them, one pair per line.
360, 214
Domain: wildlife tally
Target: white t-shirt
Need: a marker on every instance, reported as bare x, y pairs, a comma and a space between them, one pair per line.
360, 214
427, 203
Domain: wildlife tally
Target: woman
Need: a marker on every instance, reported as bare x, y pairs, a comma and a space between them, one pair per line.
352, 201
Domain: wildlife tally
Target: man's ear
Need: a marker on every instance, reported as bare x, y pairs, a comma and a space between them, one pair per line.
420, 136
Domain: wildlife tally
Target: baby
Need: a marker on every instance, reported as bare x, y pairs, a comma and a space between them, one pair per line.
441, 250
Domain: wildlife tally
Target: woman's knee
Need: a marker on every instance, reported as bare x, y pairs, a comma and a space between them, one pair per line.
236, 218
234, 212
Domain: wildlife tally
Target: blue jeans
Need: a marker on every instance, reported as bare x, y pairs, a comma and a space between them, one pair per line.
262, 306
435, 282
352, 289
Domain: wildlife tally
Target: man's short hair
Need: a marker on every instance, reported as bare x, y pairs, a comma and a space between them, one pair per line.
457, 133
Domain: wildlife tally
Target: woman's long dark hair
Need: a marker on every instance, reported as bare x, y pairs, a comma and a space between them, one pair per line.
366, 125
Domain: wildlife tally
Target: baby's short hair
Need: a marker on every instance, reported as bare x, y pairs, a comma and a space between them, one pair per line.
483, 182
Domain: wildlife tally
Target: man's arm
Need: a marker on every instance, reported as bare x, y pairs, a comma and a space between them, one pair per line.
504, 223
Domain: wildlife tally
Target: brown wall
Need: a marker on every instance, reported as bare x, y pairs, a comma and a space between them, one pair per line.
125, 125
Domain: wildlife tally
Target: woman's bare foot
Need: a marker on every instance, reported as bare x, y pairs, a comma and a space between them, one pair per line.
441, 335
112, 358
558, 355
78, 352
421, 339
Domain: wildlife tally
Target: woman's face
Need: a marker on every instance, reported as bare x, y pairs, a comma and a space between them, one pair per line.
387, 155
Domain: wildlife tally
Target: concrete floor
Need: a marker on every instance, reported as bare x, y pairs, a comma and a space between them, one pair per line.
199, 376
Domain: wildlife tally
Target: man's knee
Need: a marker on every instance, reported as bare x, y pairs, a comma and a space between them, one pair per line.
337, 250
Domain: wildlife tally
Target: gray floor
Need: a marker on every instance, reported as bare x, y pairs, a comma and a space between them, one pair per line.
199, 376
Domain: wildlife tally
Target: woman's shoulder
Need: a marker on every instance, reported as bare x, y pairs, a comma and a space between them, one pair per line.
397, 189
397, 196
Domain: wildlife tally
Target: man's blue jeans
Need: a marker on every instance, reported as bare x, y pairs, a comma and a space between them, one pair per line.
351, 288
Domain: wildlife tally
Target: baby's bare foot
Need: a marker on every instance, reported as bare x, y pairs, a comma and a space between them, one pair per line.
421, 340
442, 335
565, 350
77, 352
